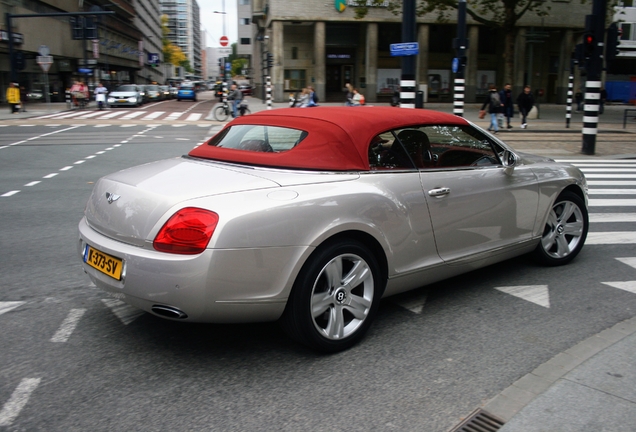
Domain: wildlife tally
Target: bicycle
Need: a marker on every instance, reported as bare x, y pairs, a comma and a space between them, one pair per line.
223, 111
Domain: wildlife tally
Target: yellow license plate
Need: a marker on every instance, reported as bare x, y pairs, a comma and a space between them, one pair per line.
104, 263
122, 100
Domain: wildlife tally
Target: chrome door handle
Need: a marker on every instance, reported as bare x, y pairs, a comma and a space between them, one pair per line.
439, 192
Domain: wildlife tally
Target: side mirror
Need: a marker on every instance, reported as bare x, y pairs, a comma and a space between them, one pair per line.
509, 160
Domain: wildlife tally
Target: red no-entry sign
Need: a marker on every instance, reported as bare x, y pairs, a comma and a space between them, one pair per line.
224, 41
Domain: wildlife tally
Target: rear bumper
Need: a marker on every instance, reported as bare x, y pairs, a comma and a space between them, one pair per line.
218, 285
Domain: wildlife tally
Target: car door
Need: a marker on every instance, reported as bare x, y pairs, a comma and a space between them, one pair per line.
476, 205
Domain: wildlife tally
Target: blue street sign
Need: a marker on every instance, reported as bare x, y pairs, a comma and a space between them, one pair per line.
84, 70
455, 66
227, 66
153, 58
405, 49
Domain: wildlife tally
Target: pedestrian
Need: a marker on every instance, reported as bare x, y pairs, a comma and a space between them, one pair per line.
493, 102
525, 102
578, 98
357, 99
349, 95
303, 100
23, 98
13, 97
313, 97
100, 95
505, 96
602, 100
236, 96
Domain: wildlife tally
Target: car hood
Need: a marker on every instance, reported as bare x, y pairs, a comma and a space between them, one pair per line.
121, 94
127, 205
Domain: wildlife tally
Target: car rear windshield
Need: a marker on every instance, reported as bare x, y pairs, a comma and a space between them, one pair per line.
127, 88
258, 138
186, 86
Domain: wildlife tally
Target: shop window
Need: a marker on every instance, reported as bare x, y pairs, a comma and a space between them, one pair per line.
294, 79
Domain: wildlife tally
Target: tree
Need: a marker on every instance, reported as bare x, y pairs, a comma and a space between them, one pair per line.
497, 14
238, 65
171, 53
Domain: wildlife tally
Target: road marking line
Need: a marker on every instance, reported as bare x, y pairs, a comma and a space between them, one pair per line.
123, 311
537, 294
612, 202
66, 168
612, 217
18, 400
153, 115
33, 183
89, 115
10, 193
111, 115
132, 115
610, 176
412, 302
48, 176
606, 170
612, 191
611, 183
68, 325
629, 286
10, 305
611, 238
79, 162
174, 115
90, 157
630, 261
194, 117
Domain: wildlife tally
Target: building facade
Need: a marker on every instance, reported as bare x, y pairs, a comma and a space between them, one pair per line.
323, 44
113, 58
148, 21
184, 22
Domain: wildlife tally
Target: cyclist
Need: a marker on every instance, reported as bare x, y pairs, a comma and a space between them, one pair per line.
236, 97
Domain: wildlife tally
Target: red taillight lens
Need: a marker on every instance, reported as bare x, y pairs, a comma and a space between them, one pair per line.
187, 232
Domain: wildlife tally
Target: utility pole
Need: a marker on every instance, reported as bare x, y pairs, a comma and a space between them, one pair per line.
407, 80
460, 43
593, 43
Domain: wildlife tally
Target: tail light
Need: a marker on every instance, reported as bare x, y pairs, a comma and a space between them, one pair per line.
187, 232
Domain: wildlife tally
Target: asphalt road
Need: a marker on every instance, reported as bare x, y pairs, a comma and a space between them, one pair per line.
73, 359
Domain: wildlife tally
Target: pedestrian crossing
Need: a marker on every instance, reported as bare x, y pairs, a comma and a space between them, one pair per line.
122, 114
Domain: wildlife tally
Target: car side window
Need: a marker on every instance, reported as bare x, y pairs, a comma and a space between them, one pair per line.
454, 146
387, 152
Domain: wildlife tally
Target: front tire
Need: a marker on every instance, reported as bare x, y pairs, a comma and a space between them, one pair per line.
565, 231
221, 114
335, 297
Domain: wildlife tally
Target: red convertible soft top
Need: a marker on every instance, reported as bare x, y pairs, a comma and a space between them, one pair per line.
338, 137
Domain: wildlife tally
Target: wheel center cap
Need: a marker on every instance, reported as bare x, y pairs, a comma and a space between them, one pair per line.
340, 295
560, 229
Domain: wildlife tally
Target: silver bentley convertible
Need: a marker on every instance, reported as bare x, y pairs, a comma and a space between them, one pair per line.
311, 216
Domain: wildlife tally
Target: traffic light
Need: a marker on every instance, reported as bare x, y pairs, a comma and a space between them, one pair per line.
77, 28
270, 60
19, 62
613, 40
589, 43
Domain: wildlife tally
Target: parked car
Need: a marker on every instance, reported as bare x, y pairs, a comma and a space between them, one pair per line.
143, 93
125, 95
187, 91
174, 91
245, 89
153, 93
310, 217
35, 95
165, 91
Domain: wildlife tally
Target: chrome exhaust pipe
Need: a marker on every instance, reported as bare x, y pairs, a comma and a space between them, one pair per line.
168, 312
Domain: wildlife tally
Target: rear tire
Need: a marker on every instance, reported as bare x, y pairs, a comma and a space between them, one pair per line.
565, 231
335, 297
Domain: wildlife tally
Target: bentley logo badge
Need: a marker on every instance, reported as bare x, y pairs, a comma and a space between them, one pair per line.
111, 197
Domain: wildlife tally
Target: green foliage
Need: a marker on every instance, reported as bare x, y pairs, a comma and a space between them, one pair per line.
238, 65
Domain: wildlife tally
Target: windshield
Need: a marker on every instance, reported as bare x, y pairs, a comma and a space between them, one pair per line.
127, 88
258, 138
152, 88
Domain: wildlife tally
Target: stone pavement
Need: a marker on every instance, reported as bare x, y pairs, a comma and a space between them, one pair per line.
590, 387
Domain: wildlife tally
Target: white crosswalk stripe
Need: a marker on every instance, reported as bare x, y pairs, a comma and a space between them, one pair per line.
120, 114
